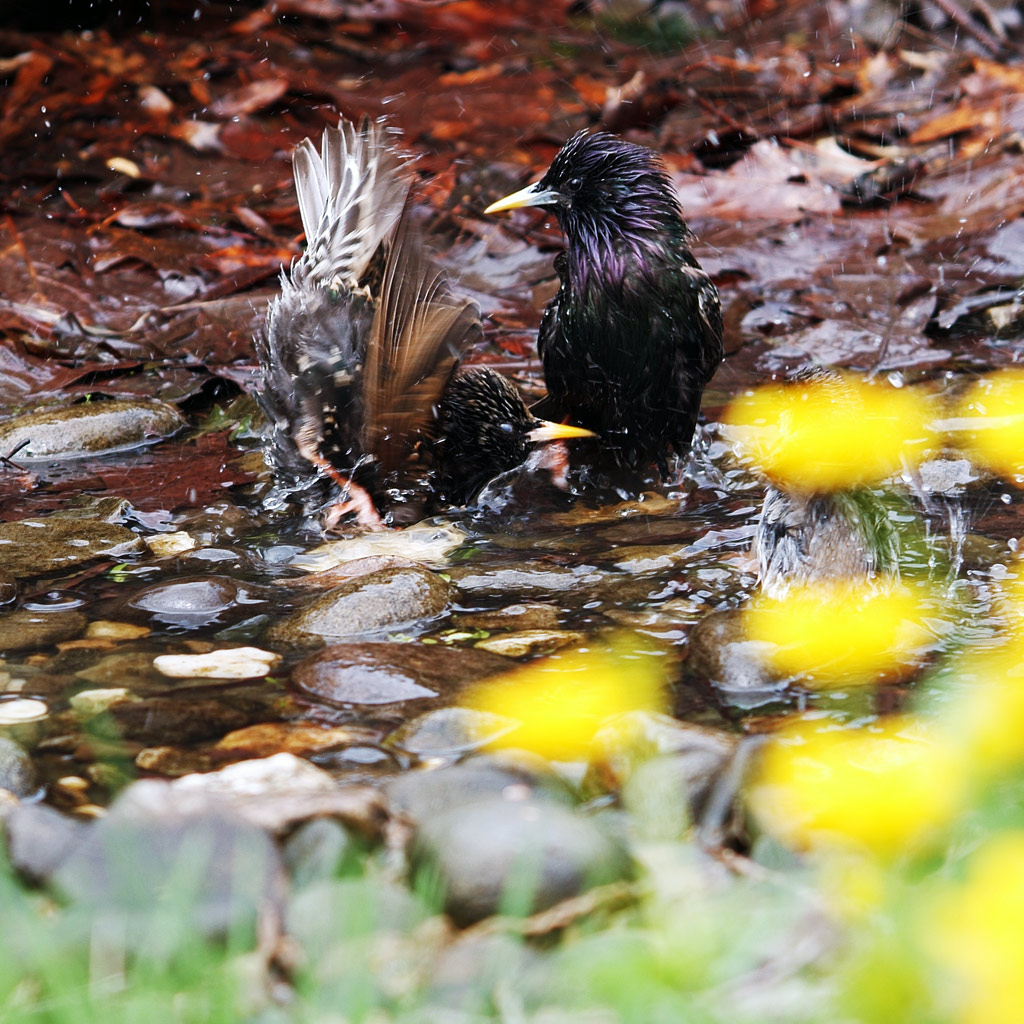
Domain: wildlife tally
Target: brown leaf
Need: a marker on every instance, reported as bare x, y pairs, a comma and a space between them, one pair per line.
252, 97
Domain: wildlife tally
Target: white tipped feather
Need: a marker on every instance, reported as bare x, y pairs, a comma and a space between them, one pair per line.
351, 195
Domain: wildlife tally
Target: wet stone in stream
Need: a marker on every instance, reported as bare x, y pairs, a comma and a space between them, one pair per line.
640, 559
23, 719
303, 739
387, 599
392, 677
123, 668
194, 602
527, 579
278, 792
449, 732
530, 642
513, 616
157, 719
17, 773
735, 667
32, 547
91, 428
25, 630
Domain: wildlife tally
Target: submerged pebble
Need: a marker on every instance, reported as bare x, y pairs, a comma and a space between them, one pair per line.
32, 547
528, 579
17, 773
530, 641
449, 732
227, 663
90, 703
513, 616
638, 559
22, 719
300, 738
90, 428
25, 630
429, 543
196, 602
385, 599
392, 676
736, 667
172, 719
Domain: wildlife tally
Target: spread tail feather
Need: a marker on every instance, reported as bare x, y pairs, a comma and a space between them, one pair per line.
351, 195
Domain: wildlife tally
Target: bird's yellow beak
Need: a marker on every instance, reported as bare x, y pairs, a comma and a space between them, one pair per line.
548, 431
532, 195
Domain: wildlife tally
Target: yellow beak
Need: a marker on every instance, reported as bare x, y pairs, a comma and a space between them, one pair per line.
532, 195
548, 431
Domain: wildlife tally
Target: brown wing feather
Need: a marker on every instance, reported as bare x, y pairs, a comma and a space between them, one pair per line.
419, 332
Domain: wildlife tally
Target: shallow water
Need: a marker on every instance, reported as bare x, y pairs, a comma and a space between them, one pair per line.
120, 287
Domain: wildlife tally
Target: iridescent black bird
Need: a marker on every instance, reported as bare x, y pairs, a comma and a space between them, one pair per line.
359, 353
635, 331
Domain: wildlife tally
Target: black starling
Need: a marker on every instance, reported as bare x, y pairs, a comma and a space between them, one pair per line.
635, 331
359, 352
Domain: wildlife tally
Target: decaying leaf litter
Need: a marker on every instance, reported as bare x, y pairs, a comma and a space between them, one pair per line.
852, 181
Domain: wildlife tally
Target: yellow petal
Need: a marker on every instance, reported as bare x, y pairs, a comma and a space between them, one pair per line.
884, 790
834, 634
830, 434
990, 421
562, 701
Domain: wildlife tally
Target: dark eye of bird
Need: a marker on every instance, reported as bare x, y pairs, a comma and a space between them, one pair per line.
506, 428
575, 184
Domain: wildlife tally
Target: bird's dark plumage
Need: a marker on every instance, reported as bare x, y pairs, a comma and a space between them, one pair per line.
359, 351
635, 331
483, 426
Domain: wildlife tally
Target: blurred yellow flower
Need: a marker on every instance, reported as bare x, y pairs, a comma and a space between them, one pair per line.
835, 632
884, 790
991, 417
986, 714
854, 885
1010, 599
563, 701
975, 931
830, 433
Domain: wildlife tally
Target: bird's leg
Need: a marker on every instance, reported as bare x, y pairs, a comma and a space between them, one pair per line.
354, 498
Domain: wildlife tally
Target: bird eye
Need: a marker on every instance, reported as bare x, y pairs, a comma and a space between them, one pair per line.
575, 183
506, 428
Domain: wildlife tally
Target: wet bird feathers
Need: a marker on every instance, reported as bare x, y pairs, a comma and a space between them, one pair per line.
365, 333
635, 331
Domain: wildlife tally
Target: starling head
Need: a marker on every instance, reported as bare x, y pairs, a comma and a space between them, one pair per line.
600, 186
484, 428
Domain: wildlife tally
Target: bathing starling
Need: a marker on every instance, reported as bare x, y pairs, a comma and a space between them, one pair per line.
359, 353
635, 331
